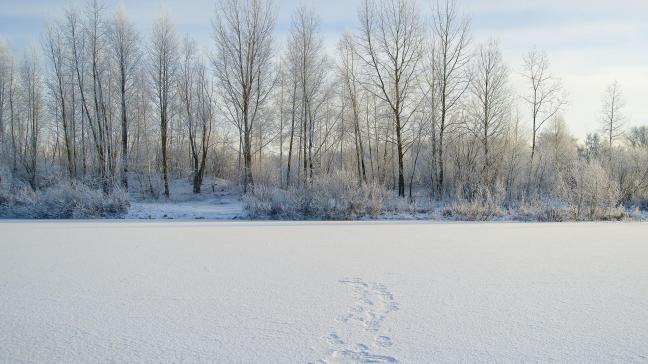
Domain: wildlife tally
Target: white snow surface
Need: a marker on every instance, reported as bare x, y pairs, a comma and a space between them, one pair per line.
219, 200
225, 208
357, 292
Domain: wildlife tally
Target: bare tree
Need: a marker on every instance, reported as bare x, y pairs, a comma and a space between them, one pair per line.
545, 97
9, 78
163, 53
31, 87
293, 85
490, 103
54, 47
96, 30
613, 120
200, 136
349, 74
282, 78
390, 46
451, 61
85, 65
243, 65
75, 41
5, 84
126, 53
307, 55
196, 94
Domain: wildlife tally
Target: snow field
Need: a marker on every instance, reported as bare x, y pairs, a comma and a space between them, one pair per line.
359, 292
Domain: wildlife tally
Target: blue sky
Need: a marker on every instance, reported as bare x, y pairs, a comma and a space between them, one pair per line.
590, 43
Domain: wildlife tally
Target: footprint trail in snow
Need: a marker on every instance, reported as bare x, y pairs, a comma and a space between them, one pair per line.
373, 303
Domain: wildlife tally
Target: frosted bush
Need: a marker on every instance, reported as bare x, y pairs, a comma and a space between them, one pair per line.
340, 196
588, 194
61, 201
268, 201
398, 205
333, 196
592, 193
485, 205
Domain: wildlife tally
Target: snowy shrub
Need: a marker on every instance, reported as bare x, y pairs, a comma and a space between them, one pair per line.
61, 201
546, 210
339, 196
485, 205
394, 204
333, 196
592, 193
16, 200
630, 170
553, 213
268, 201
472, 211
81, 202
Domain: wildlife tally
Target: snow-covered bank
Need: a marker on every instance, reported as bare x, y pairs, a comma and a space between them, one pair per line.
219, 200
254, 292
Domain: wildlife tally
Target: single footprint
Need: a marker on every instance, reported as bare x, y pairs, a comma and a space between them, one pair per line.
359, 355
383, 341
333, 339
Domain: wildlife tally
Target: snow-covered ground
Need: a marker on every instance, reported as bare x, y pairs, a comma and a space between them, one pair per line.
219, 200
252, 292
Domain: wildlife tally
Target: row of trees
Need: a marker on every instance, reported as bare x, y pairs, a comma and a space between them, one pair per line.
400, 104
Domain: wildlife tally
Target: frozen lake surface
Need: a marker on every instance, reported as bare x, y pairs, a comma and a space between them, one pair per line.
252, 292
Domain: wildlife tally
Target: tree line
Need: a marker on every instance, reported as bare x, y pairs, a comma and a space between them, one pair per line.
407, 101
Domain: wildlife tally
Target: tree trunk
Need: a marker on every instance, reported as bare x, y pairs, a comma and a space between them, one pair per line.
124, 130
399, 151
441, 165
163, 136
248, 182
